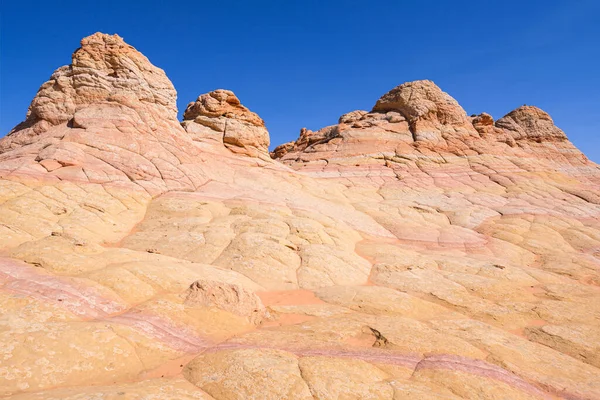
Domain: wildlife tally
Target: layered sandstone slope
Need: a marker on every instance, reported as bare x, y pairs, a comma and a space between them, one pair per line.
409, 252
109, 116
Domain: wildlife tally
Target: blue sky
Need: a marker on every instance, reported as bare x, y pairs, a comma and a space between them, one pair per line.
304, 63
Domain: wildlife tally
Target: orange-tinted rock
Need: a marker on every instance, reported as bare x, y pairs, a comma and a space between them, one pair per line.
220, 115
483, 123
529, 122
432, 114
104, 69
111, 116
108, 116
282, 150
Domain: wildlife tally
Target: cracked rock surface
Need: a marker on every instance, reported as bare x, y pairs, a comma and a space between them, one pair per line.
407, 252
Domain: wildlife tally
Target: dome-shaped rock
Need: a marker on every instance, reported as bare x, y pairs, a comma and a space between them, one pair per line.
219, 115
530, 122
430, 112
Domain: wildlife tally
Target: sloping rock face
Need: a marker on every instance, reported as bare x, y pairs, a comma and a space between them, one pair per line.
409, 252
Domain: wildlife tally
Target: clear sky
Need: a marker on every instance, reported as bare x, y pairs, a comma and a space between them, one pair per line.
304, 63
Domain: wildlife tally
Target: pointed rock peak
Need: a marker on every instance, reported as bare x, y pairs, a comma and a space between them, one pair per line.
109, 116
104, 69
219, 115
530, 122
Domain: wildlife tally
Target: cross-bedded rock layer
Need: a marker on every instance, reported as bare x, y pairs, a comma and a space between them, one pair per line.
409, 252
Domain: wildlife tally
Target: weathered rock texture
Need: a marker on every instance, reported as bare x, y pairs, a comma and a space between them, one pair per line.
431, 114
409, 252
221, 116
228, 297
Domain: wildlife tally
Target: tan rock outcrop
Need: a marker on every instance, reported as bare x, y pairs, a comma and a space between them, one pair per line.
104, 69
282, 150
431, 113
483, 123
219, 115
418, 116
109, 116
352, 116
529, 122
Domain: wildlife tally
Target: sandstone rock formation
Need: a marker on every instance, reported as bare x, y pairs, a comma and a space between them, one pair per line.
430, 113
409, 252
220, 115
528, 122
